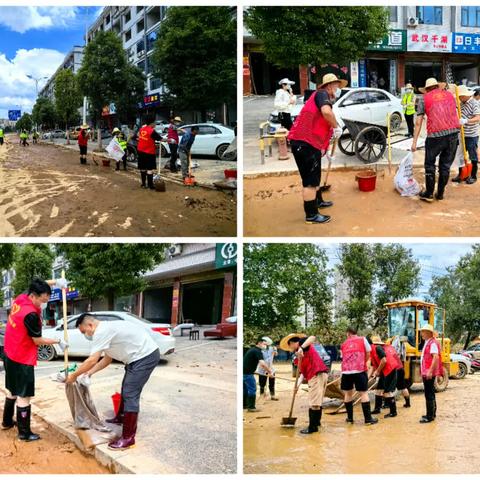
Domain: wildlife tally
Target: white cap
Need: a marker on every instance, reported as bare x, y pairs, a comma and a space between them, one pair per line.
287, 81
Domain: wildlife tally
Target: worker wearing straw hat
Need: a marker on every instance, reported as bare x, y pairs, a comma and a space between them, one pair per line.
313, 370
430, 367
470, 110
443, 126
23, 335
83, 143
310, 138
408, 102
284, 102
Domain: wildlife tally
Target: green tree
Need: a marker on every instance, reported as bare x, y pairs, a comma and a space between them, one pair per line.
108, 270
7, 255
280, 281
293, 36
32, 260
105, 73
195, 56
43, 113
24, 123
129, 98
67, 98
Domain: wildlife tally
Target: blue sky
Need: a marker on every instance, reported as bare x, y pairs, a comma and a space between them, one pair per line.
34, 41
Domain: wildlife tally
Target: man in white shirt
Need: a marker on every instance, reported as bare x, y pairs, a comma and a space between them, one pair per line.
126, 343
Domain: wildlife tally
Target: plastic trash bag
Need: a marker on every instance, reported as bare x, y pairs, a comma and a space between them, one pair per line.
115, 150
459, 159
404, 181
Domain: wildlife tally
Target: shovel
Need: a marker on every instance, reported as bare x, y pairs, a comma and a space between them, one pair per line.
325, 187
466, 170
290, 421
337, 410
158, 181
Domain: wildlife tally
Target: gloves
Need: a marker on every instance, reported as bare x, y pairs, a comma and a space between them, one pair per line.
61, 283
84, 380
337, 132
62, 345
463, 121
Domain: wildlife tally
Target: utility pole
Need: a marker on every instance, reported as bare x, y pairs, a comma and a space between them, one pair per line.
36, 80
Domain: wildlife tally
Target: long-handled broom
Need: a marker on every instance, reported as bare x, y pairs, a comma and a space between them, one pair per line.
466, 170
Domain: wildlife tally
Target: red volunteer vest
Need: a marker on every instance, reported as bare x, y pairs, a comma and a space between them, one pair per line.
146, 143
312, 364
311, 127
397, 363
83, 139
354, 354
428, 359
391, 363
172, 134
441, 111
19, 346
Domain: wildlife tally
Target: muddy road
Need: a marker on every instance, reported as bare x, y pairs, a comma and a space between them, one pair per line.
273, 207
53, 454
394, 445
44, 191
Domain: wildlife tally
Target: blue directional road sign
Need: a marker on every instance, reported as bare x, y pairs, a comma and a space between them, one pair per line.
14, 115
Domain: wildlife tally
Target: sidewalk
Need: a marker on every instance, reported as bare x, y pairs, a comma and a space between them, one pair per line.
187, 421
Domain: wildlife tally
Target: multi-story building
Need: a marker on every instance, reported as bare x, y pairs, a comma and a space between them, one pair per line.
72, 61
424, 41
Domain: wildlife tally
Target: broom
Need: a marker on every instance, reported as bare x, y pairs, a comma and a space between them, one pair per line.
466, 170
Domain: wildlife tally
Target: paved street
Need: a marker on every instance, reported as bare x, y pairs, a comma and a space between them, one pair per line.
46, 192
187, 422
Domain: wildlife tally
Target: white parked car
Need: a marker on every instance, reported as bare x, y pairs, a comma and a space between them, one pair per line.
80, 346
212, 139
465, 365
368, 105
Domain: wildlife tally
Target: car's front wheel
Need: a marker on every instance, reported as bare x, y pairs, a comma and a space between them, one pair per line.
462, 371
221, 150
46, 353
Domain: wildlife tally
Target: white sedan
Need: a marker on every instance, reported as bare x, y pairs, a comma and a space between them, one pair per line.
368, 105
80, 346
212, 139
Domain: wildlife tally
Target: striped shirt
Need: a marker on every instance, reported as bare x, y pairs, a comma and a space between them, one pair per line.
470, 109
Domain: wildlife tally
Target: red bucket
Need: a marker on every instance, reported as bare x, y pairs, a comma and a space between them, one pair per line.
367, 180
116, 399
230, 173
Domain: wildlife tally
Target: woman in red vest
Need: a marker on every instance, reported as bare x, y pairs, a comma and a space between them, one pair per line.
385, 364
147, 152
430, 367
23, 334
355, 355
83, 143
313, 370
310, 138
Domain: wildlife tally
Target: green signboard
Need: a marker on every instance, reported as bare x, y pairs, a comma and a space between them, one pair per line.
395, 41
226, 255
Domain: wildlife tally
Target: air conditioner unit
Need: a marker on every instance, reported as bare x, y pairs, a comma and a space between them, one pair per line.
175, 250
412, 22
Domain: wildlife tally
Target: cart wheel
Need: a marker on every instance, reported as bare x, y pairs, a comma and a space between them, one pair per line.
370, 144
346, 144
395, 121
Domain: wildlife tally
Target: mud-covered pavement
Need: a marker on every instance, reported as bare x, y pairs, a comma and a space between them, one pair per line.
394, 445
44, 191
273, 207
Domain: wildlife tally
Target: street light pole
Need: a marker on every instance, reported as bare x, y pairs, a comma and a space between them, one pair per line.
36, 80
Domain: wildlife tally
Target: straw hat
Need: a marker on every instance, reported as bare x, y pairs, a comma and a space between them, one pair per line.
432, 82
464, 91
330, 78
408, 85
284, 341
377, 340
268, 341
287, 81
427, 327
85, 127
116, 130
177, 119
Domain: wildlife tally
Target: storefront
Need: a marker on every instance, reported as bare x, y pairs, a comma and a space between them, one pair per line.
54, 310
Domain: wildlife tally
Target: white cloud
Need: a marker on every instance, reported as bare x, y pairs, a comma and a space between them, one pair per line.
16, 89
22, 19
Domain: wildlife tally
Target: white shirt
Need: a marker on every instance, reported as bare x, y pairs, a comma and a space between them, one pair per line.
433, 349
368, 348
282, 101
122, 341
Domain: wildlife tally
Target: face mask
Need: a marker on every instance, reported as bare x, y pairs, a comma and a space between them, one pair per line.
88, 337
338, 92
43, 306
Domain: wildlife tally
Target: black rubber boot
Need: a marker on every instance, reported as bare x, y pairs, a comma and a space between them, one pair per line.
23, 424
458, 178
349, 408
430, 416
393, 407
312, 424
150, 181
442, 183
407, 402
117, 166
378, 404
311, 213
125, 164
143, 176
427, 194
435, 408
251, 403
321, 203
8, 411
473, 177
367, 414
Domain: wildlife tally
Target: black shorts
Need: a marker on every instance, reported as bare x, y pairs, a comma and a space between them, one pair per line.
19, 378
83, 149
401, 384
388, 383
308, 160
147, 161
359, 380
